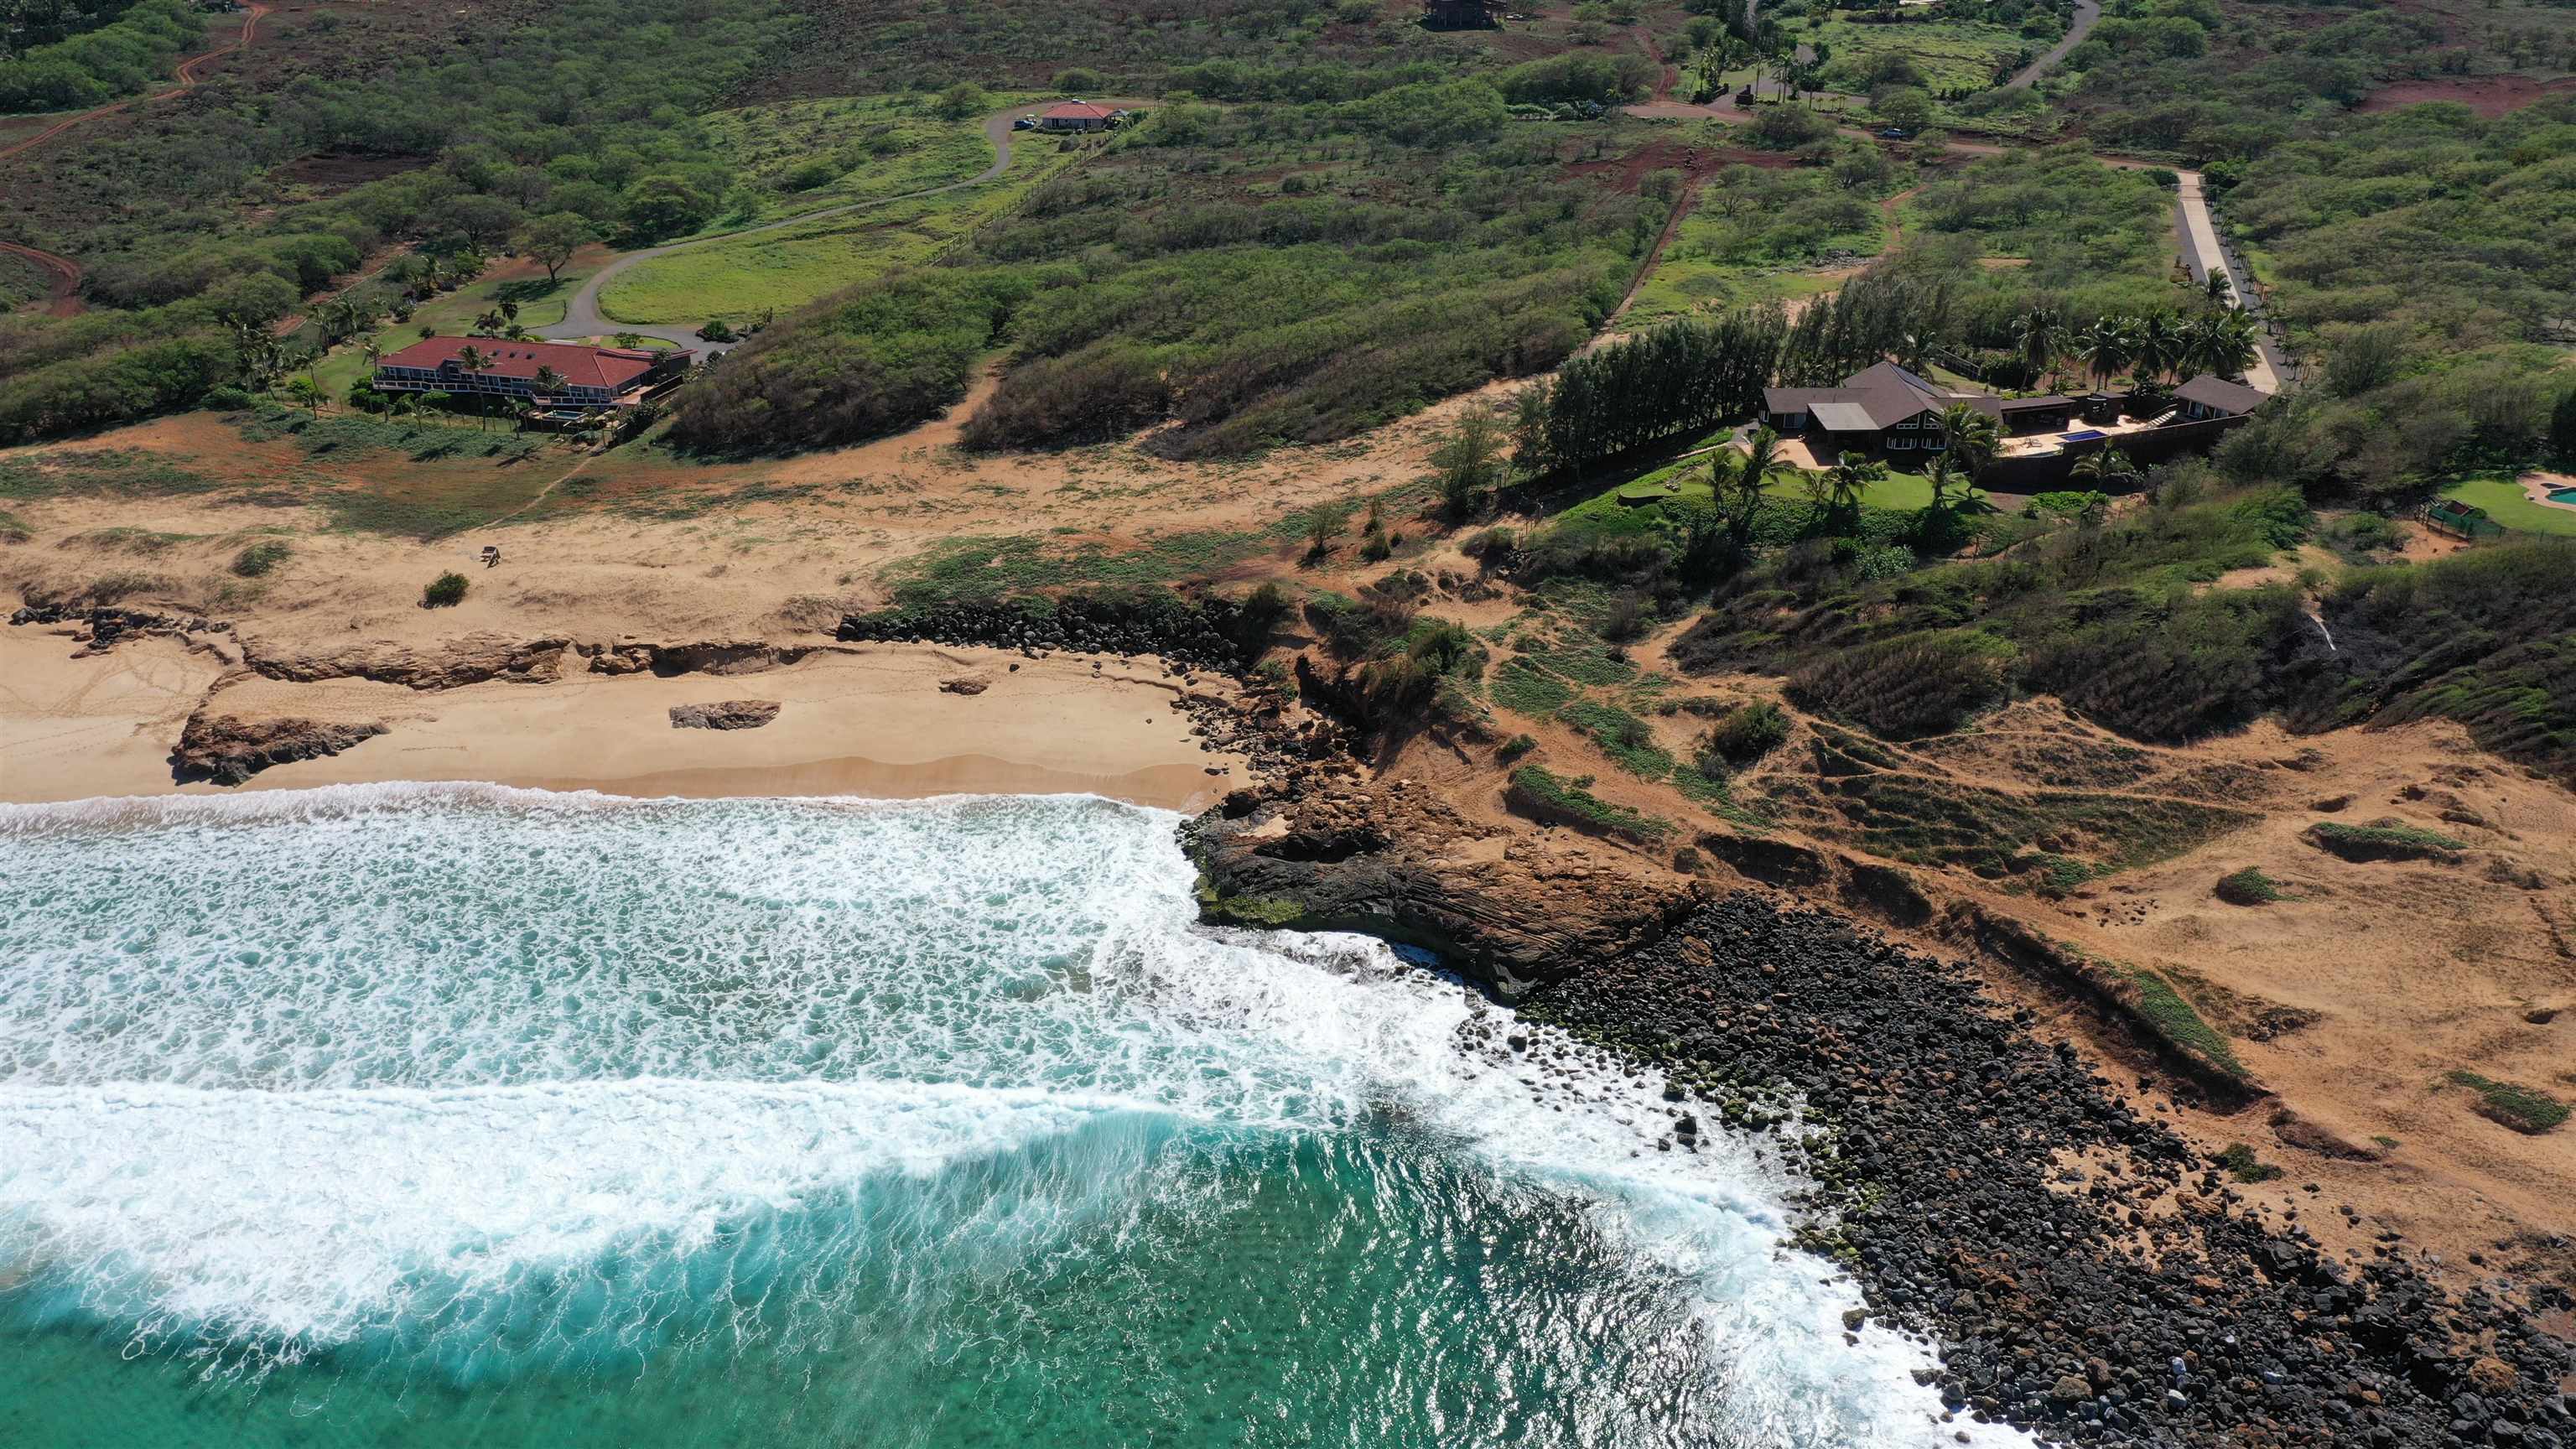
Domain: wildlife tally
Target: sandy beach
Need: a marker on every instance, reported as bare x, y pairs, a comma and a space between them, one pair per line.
867, 720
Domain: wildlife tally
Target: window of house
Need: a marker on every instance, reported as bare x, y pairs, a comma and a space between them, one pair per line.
1899, 442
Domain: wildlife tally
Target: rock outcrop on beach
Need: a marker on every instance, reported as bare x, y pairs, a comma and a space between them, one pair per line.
1514, 909
470, 659
229, 750
729, 714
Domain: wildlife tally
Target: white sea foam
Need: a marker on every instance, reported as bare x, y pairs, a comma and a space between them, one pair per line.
363, 1064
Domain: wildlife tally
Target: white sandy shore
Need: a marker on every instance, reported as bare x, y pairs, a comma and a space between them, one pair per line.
871, 722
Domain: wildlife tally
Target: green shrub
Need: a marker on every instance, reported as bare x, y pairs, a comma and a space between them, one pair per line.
2527, 1110
2248, 887
2178, 1021
2384, 840
260, 558
1513, 748
1747, 733
1548, 796
445, 591
2244, 1166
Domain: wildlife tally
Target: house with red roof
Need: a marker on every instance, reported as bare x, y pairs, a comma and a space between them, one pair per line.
1076, 116
580, 377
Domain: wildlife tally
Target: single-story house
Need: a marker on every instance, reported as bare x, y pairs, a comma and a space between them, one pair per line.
592, 377
2212, 396
1076, 116
1885, 407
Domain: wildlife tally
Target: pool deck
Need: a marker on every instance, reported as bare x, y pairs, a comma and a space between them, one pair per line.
2538, 487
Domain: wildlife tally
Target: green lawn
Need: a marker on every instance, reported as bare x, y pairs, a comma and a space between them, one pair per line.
2504, 502
541, 304
1688, 480
793, 265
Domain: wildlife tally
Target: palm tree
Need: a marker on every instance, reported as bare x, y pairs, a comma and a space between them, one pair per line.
307, 392
2105, 348
487, 323
474, 359
2157, 343
1968, 439
1849, 479
548, 382
2041, 337
2222, 343
2109, 470
1739, 484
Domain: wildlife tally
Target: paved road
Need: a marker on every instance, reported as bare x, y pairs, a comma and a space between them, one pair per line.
2087, 12
582, 317
2193, 222
2207, 258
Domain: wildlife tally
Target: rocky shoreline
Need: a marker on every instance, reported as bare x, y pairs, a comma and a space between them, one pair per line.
2088, 1276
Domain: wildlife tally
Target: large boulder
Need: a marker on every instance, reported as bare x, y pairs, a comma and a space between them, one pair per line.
228, 749
1509, 907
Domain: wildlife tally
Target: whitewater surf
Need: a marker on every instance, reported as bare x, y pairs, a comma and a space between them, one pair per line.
456, 1114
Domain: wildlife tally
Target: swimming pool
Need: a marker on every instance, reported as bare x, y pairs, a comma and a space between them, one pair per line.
2082, 435
2562, 495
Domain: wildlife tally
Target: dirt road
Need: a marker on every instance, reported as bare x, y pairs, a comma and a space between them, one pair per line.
190, 72
62, 275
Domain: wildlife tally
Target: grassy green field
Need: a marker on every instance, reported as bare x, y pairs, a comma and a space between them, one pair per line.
801, 156
1759, 236
796, 264
1950, 54
2504, 502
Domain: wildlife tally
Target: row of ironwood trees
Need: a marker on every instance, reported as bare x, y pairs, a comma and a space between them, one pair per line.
1696, 375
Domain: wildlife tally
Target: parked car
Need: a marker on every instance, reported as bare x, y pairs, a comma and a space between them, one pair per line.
1025, 123
1895, 133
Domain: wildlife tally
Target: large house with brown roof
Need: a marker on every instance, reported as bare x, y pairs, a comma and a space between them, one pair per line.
591, 377
1888, 409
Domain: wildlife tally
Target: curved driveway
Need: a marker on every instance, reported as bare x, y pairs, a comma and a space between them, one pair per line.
582, 317
2087, 12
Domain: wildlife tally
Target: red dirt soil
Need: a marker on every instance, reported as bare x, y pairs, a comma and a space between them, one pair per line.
61, 273
191, 71
2488, 95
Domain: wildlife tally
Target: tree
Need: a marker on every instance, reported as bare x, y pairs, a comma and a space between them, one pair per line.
548, 382
1847, 482
2221, 343
1907, 107
2562, 429
2108, 470
2105, 349
1740, 483
1968, 439
1468, 460
663, 204
474, 359
962, 100
2158, 345
550, 240
306, 392
2040, 336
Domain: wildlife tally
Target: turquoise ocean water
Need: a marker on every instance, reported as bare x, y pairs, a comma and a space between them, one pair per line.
449, 1116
